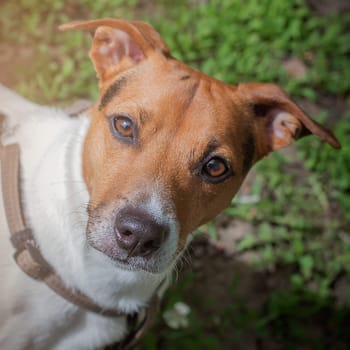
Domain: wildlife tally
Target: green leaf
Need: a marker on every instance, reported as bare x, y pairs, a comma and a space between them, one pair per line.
247, 242
306, 263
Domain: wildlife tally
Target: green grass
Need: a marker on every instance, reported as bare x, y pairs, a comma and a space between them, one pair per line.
302, 220
243, 41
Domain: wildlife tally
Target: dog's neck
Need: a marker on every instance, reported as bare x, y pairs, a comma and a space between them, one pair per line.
56, 199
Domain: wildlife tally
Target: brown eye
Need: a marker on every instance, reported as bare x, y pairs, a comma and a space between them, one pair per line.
123, 128
215, 167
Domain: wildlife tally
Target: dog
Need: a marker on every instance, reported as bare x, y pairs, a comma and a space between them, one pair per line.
112, 196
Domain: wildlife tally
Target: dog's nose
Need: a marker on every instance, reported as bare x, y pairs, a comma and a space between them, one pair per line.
137, 233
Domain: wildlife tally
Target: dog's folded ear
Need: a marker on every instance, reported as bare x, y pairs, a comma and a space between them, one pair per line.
277, 119
119, 44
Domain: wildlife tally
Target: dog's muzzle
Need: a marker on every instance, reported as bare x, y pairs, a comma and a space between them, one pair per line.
137, 233
135, 237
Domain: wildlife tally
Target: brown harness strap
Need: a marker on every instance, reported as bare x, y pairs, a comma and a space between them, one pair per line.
10, 185
29, 258
134, 338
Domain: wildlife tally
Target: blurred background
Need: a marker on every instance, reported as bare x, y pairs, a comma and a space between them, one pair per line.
273, 270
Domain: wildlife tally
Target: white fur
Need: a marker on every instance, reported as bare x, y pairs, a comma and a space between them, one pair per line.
55, 198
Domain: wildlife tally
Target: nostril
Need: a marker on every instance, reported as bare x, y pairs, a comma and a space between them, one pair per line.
149, 245
146, 249
126, 233
153, 244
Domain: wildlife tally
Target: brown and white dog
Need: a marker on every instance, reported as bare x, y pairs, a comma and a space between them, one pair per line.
113, 196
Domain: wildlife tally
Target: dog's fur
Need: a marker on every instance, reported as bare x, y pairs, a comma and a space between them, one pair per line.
77, 178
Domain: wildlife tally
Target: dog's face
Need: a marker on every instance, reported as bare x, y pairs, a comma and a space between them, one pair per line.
168, 146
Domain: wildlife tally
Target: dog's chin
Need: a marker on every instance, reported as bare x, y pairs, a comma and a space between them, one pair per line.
136, 264
129, 263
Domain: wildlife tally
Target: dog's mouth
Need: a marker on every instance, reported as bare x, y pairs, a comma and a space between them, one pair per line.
154, 263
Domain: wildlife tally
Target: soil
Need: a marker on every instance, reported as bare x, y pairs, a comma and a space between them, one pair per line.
327, 7
13, 61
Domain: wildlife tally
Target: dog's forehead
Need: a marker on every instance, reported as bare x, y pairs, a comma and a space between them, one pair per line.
172, 101
170, 92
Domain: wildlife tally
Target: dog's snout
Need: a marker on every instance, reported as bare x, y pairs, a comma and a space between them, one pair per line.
138, 233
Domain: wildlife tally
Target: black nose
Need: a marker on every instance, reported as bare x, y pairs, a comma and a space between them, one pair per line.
137, 233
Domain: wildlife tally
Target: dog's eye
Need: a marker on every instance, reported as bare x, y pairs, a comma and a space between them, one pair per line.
123, 127
215, 169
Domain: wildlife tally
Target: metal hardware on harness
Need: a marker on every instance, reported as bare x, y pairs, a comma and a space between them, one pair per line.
29, 258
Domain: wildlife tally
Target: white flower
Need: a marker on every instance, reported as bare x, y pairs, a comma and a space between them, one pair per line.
177, 317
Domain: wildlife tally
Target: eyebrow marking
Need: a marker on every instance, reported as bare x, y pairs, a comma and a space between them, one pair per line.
144, 115
185, 77
193, 91
212, 146
112, 91
191, 156
196, 165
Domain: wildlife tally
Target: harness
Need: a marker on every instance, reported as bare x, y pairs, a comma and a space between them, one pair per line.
30, 260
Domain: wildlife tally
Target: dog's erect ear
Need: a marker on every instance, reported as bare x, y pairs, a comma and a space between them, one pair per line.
119, 44
277, 119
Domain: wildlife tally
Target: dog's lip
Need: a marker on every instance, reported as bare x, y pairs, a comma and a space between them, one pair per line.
123, 263
133, 264
126, 262
111, 255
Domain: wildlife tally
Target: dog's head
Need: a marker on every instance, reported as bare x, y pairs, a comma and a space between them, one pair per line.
168, 147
